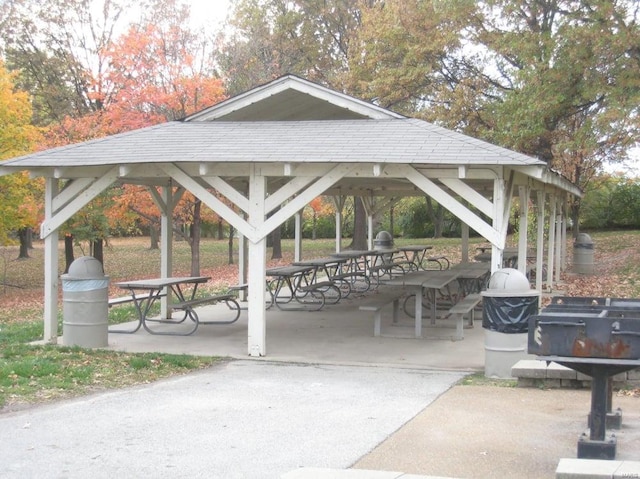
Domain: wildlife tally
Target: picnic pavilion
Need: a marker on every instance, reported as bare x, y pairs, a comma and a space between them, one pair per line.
272, 150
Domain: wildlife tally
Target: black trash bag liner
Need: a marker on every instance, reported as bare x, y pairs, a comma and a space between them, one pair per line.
508, 314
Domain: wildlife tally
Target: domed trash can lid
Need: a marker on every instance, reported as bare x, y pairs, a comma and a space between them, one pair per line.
509, 279
86, 267
383, 240
583, 240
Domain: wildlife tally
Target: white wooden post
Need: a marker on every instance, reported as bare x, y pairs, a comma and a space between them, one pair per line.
297, 255
369, 206
465, 242
498, 223
558, 226
552, 242
51, 253
257, 331
524, 192
166, 243
540, 240
242, 265
339, 202
565, 224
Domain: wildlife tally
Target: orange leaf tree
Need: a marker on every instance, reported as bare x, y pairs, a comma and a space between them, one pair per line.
19, 196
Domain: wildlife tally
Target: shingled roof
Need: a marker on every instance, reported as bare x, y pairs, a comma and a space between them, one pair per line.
352, 141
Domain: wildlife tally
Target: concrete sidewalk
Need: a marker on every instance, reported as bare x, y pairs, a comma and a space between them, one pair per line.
241, 419
498, 432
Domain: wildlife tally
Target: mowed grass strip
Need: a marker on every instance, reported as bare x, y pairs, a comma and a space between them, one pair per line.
33, 374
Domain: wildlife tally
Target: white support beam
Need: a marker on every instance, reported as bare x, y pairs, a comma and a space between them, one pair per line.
59, 217
450, 203
210, 200
472, 196
51, 282
69, 191
288, 169
228, 191
285, 192
304, 198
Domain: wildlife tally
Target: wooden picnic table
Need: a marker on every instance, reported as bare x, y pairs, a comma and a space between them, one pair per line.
472, 277
425, 284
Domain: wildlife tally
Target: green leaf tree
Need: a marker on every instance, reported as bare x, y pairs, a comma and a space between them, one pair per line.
556, 79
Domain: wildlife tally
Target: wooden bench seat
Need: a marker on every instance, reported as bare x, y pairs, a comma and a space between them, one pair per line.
376, 302
464, 307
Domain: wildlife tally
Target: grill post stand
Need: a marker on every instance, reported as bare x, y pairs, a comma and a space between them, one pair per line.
598, 444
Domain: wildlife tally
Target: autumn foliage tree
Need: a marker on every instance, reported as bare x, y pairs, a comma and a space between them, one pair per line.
158, 70
19, 196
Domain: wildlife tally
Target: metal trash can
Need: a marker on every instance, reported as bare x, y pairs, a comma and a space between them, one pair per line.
383, 240
507, 304
583, 255
85, 298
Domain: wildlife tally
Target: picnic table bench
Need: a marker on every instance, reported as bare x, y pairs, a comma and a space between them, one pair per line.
145, 293
377, 301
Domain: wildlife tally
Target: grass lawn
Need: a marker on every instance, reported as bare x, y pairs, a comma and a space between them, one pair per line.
31, 374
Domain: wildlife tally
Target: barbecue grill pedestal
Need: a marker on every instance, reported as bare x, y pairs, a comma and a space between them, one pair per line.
596, 443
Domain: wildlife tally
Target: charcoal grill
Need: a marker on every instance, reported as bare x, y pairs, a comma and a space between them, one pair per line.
599, 337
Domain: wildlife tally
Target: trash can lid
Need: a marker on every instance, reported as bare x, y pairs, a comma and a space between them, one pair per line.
509, 279
384, 236
583, 238
86, 267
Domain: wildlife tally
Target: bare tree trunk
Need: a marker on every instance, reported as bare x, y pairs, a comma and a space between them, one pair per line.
97, 249
68, 251
154, 237
574, 213
23, 235
437, 217
276, 238
231, 235
314, 232
220, 229
359, 241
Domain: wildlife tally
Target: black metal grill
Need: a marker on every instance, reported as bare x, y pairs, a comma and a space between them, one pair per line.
599, 337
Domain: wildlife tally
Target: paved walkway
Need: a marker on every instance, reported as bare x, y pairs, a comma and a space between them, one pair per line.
242, 419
